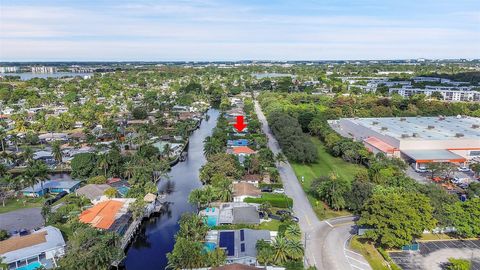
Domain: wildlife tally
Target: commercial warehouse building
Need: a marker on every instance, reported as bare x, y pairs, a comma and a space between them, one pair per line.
416, 139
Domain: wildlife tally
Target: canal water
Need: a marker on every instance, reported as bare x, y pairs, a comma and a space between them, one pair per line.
156, 239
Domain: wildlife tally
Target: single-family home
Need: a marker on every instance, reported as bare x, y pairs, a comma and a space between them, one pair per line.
111, 215
239, 142
243, 190
51, 186
40, 248
240, 245
93, 192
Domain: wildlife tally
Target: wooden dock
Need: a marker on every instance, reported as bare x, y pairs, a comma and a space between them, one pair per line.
151, 209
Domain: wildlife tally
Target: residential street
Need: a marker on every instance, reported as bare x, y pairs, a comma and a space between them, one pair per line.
326, 241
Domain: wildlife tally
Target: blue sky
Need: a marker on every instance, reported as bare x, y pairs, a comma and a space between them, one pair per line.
237, 30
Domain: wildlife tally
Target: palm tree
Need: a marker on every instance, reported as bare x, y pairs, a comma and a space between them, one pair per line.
196, 197
475, 167
265, 255
167, 150
295, 249
27, 154
129, 167
211, 146
3, 135
37, 172
280, 248
15, 139
224, 189
292, 232
103, 163
57, 152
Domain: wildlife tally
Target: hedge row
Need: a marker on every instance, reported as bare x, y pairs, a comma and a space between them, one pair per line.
280, 201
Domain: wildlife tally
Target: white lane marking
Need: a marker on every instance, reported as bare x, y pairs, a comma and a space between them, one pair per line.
354, 266
356, 260
353, 252
326, 221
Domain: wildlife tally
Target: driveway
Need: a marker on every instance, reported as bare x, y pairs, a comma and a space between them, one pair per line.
326, 241
28, 218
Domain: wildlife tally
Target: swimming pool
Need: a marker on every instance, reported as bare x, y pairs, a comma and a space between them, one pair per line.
209, 246
31, 266
211, 221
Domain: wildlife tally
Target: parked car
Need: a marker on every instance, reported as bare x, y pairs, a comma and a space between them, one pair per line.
283, 213
56, 198
61, 195
421, 169
266, 189
279, 191
295, 219
463, 169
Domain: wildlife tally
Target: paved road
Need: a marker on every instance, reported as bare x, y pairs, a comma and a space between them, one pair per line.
27, 218
326, 241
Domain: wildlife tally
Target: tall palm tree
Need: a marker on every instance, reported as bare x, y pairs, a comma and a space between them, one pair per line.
103, 163
129, 168
57, 152
211, 146
27, 154
15, 139
167, 150
3, 135
224, 190
37, 172
196, 197
266, 256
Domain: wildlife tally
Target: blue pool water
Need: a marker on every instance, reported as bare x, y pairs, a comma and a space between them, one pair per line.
211, 221
209, 246
123, 190
31, 266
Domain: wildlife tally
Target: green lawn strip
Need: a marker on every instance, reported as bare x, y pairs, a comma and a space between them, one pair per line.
271, 225
325, 165
370, 253
16, 204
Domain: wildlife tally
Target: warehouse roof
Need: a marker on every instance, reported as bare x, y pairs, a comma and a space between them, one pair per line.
423, 128
424, 156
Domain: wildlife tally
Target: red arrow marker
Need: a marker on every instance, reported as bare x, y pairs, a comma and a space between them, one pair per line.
240, 125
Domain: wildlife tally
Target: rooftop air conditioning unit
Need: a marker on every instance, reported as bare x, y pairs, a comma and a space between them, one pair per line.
475, 126
441, 117
431, 127
458, 135
405, 136
384, 128
403, 119
416, 135
375, 123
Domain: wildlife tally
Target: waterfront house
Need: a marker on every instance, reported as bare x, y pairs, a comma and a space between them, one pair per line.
111, 215
93, 192
41, 248
243, 190
239, 245
242, 151
51, 186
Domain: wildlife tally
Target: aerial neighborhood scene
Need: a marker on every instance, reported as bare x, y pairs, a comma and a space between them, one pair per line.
239, 135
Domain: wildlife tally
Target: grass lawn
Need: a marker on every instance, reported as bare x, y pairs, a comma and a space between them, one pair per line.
370, 253
15, 204
325, 165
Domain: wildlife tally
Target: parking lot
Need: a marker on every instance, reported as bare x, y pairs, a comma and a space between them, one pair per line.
434, 255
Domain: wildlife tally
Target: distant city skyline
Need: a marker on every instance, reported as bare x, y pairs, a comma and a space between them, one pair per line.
209, 30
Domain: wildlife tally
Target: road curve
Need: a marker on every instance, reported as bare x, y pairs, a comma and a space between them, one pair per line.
325, 241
